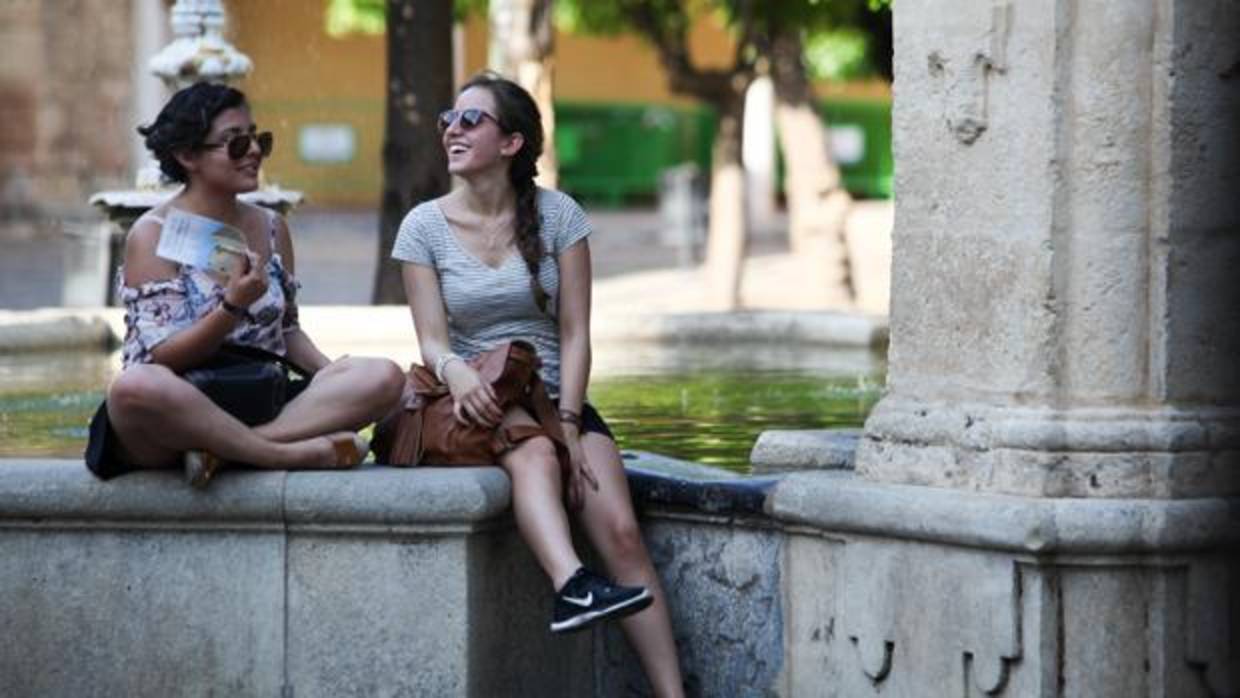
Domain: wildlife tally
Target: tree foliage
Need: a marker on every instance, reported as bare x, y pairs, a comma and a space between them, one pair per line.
843, 39
369, 17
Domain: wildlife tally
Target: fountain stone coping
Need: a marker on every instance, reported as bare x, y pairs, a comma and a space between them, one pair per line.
41, 492
63, 491
840, 501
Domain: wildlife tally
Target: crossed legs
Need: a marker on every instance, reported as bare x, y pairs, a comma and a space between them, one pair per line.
158, 416
610, 524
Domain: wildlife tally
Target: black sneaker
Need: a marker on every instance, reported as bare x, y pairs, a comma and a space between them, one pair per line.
587, 598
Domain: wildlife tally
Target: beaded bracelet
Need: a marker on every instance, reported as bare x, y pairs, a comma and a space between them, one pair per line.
443, 361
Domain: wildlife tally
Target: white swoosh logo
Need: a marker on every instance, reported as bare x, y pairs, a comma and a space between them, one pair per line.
585, 602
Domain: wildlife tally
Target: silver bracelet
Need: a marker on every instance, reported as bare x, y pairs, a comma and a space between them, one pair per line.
443, 361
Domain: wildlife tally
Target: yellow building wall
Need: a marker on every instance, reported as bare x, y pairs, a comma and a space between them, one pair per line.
304, 77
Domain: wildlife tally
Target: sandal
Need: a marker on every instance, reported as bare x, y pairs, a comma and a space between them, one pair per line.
200, 467
350, 448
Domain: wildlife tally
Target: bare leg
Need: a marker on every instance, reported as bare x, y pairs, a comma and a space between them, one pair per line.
612, 527
537, 503
345, 395
158, 415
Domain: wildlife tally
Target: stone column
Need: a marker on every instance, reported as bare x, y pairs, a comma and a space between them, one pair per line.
1064, 321
149, 19
1046, 499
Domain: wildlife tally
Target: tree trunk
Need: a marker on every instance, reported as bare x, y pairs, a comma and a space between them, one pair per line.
818, 205
727, 239
419, 38
522, 41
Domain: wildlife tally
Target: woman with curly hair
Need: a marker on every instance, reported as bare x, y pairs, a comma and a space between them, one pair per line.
501, 259
178, 318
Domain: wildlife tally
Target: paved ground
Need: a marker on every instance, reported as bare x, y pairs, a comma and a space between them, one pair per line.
634, 264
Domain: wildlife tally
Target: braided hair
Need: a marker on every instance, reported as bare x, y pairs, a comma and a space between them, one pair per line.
184, 123
518, 113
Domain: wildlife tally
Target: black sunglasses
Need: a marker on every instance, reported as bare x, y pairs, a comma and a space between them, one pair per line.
470, 118
239, 144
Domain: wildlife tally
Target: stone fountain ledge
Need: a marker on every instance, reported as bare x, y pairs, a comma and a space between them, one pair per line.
85, 328
404, 581
316, 583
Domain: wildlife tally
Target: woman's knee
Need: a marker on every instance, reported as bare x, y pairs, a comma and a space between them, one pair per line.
391, 380
142, 388
533, 457
381, 381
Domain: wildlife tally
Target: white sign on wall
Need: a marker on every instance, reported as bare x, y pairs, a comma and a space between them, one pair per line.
327, 143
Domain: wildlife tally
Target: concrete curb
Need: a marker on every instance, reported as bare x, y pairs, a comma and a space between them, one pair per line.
390, 325
41, 330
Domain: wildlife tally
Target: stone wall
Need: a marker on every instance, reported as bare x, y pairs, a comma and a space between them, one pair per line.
65, 102
414, 582
384, 582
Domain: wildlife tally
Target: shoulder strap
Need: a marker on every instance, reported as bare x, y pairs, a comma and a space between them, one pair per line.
272, 216
250, 353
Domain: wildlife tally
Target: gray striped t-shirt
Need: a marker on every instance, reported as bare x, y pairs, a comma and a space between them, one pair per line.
485, 305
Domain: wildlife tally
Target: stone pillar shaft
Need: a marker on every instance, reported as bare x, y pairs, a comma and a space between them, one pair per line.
1067, 214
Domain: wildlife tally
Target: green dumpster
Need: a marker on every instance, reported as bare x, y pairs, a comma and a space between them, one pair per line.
612, 153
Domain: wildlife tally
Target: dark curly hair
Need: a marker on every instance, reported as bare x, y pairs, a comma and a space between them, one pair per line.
518, 113
185, 121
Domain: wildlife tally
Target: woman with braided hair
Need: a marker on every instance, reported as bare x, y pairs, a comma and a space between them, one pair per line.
501, 259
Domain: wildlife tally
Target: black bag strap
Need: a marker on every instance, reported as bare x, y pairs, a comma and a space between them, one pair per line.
248, 353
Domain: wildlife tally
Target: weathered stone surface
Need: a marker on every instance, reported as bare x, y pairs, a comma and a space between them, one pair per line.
1061, 323
723, 586
98, 610
780, 450
660, 481
65, 87
374, 616
842, 502
846, 587
387, 496
379, 581
811, 577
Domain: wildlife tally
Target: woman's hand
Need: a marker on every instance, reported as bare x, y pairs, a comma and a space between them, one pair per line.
580, 475
473, 399
247, 283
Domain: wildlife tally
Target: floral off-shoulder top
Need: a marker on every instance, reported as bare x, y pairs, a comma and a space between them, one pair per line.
156, 310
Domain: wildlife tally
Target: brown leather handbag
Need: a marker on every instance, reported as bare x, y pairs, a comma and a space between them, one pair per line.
424, 431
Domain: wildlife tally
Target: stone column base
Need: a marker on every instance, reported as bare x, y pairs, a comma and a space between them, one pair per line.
897, 590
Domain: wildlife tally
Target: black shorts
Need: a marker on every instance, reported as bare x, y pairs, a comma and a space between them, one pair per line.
592, 422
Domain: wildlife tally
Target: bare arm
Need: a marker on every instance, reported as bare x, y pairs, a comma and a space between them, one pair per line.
194, 344
472, 398
301, 350
574, 313
430, 321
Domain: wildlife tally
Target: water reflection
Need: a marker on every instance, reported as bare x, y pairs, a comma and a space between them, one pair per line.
46, 400
701, 403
